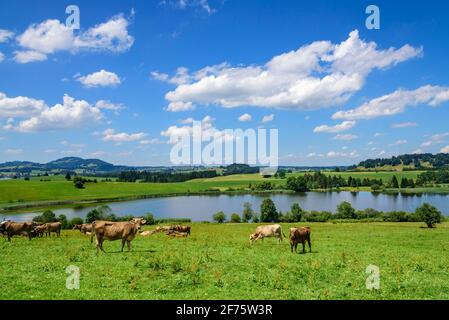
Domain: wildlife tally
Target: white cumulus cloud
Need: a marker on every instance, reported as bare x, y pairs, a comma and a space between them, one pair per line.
120, 137
245, 117
344, 126
317, 75
396, 102
268, 118
100, 78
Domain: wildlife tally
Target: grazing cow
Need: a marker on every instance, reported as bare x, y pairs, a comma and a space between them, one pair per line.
53, 227
177, 234
84, 228
11, 228
262, 232
146, 233
126, 231
300, 235
178, 228
39, 230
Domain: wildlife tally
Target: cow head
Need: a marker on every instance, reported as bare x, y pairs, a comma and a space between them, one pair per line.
77, 227
253, 236
138, 222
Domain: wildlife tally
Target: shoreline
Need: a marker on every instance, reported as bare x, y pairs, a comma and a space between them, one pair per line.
59, 204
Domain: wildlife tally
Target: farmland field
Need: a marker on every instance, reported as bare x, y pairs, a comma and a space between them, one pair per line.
58, 189
217, 262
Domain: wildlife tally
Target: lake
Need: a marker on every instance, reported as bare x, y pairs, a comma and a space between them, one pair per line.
201, 208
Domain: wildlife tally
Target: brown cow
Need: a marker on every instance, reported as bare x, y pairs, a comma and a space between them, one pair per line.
53, 227
17, 228
126, 231
183, 229
300, 235
84, 228
267, 231
177, 234
39, 230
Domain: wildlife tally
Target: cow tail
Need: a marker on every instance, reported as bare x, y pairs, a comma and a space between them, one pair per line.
284, 234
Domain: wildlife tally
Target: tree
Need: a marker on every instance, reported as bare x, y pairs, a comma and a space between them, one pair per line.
64, 223
75, 221
404, 183
268, 211
219, 217
256, 218
394, 183
345, 211
248, 212
296, 212
68, 177
46, 217
297, 184
235, 218
429, 214
150, 219
78, 182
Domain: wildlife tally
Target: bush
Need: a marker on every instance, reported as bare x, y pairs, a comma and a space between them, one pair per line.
235, 218
429, 214
46, 217
396, 216
64, 223
317, 216
296, 212
248, 212
345, 211
268, 211
150, 219
74, 222
219, 217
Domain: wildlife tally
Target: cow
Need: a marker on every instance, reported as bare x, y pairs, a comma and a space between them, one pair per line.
300, 235
126, 231
177, 234
146, 233
11, 228
274, 230
53, 227
84, 228
183, 229
39, 230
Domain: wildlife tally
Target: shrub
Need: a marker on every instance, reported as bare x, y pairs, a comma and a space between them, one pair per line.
296, 212
248, 212
219, 217
235, 218
74, 222
46, 217
429, 214
64, 223
317, 216
268, 211
345, 211
150, 219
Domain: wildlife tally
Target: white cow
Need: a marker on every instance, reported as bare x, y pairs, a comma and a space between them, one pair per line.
274, 230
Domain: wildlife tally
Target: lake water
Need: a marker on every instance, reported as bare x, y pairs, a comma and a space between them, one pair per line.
201, 208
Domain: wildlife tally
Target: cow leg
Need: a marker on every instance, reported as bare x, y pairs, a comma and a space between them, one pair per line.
9, 236
129, 245
29, 236
304, 247
123, 244
296, 247
291, 247
310, 245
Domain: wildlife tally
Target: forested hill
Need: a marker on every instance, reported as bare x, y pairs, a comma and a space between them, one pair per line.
408, 161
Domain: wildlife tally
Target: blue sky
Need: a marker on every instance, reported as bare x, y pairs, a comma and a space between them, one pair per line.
136, 70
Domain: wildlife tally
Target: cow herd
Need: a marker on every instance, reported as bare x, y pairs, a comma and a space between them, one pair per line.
126, 231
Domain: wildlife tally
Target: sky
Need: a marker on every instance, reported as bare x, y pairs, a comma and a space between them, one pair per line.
136, 73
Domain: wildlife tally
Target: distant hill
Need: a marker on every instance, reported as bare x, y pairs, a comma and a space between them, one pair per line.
61, 165
406, 162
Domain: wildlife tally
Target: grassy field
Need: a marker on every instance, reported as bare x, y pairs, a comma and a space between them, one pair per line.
217, 262
20, 192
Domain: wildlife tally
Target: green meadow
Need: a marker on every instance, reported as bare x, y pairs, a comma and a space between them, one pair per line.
217, 262
57, 189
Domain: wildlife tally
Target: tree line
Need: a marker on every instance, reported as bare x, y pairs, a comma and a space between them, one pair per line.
269, 213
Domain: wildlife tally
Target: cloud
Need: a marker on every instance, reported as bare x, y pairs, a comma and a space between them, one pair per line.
268, 118
184, 4
344, 126
404, 125
150, 141
435, 139
396, 102
12, 152
334, 154
317, 75
70, 114
2, 57
29, 56
101, 78
445, 149
208, 131
345, 137
180, 106
378, 134
19, 106
418, 151
107, 105
111, 135
5, 35
399, 142
245, 117
51, 36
